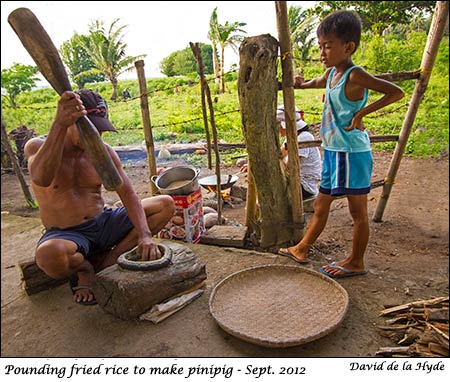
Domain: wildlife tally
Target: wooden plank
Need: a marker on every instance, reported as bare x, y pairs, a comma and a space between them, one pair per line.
224, 235
34, 280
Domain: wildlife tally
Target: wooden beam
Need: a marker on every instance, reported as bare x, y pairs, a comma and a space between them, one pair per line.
34, 280
287, 67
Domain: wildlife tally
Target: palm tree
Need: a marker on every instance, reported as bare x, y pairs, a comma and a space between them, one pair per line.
213, 35
78, 61
302, 23
224, 35
107, 51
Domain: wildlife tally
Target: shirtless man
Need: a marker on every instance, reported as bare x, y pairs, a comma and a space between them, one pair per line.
81, 236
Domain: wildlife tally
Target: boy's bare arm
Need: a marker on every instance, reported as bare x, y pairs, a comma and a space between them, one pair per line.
316, 83
362, 79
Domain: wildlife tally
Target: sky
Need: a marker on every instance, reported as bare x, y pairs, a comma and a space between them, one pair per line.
155, 28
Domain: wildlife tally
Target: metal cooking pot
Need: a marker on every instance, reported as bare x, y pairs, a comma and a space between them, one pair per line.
226, 181
174, 174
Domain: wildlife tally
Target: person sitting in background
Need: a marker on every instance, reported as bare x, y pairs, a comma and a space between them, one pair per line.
310, 160
126, 94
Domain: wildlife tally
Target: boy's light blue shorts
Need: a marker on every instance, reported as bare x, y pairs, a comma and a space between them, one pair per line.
346, 173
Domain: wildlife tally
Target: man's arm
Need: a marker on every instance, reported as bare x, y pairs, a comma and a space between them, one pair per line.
148, 247
44, 158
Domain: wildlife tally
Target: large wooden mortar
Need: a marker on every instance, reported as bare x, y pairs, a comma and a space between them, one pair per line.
129, 293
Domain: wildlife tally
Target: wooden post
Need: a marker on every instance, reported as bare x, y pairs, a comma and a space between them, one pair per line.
250, 203
197, 53
149, 144
287, 84
201, 73
429, 56
205, 123
257, 89
26, 191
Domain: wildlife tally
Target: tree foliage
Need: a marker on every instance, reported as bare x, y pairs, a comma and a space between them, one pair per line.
302, 24
214, 38
106, 49
183, 63
228, 34
17, 79
78, 61
378, 15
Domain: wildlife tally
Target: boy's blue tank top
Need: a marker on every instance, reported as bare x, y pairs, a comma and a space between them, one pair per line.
338, 112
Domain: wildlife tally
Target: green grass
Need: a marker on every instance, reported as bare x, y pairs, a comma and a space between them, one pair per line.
176, 114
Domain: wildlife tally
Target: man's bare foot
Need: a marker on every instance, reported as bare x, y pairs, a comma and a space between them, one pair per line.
80, 284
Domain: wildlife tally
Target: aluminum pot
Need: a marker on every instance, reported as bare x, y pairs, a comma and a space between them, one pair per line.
174, 174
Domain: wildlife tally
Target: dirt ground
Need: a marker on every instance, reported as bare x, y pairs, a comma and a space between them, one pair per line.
407, 259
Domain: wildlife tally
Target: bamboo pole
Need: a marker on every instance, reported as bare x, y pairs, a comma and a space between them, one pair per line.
26, 191
429, 56
287, 67
201, 73
197, 53
149, 143
373, 139
399, 76
205, 123
250, 203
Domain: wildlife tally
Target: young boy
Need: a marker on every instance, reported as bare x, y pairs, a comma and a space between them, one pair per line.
347, 165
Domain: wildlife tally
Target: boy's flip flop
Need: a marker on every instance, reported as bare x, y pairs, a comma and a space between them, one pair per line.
347, 272
287, 253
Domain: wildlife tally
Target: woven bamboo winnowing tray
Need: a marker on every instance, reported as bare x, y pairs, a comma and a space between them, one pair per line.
278, 305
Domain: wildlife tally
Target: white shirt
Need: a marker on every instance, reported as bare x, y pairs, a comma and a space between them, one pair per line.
310, 163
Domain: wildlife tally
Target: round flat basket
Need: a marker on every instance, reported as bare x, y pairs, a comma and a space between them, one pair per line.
278, 305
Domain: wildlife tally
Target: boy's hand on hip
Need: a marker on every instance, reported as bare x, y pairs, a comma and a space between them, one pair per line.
357, 123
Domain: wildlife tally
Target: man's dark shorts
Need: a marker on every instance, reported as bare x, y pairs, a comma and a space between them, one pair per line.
95, 235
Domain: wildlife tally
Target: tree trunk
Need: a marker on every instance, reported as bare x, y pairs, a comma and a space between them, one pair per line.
216, 65
114, 82
26, 191
257, 88
222, 71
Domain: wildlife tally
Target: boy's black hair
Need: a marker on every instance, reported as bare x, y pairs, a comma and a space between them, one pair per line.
345, 25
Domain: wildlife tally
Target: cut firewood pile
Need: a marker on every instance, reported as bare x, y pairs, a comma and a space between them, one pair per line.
420, 328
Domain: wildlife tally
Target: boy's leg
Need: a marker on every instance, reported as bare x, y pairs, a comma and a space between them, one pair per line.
355, 262
318, 222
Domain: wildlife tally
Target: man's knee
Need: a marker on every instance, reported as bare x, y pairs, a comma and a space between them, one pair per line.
52, 257
169, 204
162, 204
